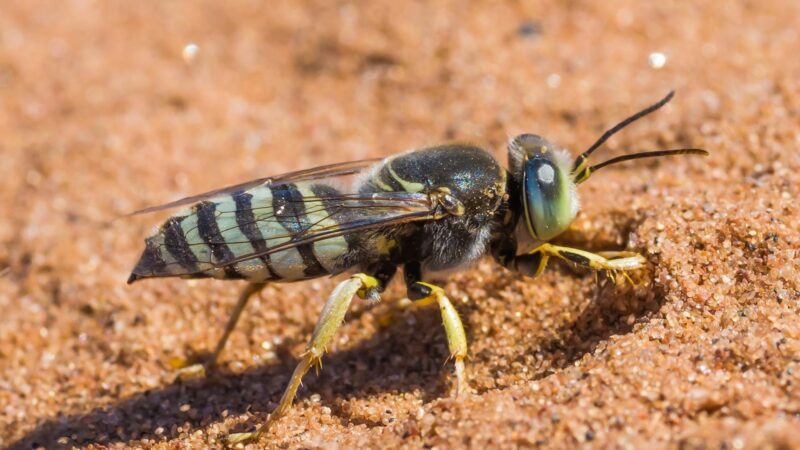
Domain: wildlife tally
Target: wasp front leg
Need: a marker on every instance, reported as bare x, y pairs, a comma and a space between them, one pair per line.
534, 262
331, 318
617, 262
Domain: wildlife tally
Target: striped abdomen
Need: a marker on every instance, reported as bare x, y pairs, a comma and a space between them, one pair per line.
203, 242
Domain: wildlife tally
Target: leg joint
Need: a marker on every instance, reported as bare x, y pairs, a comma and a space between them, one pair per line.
370, 286
530, 265
419, 291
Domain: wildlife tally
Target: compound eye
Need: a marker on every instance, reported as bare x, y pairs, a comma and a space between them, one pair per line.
547, 199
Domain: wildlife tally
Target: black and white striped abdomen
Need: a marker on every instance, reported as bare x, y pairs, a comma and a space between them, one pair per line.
202, 242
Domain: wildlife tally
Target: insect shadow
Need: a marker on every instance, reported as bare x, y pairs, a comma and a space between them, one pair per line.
612, 310
610, 313
405, 356
397, 358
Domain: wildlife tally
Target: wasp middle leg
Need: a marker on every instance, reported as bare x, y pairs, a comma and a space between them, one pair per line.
330, 319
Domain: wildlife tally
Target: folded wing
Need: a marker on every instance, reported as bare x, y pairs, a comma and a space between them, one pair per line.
289, 227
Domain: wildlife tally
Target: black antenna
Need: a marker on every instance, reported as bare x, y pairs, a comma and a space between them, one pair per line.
581, 159
653, 154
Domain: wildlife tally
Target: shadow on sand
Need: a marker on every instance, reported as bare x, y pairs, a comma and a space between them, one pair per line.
405, 356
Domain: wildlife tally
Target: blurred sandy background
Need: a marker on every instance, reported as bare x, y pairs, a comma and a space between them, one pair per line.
104, 109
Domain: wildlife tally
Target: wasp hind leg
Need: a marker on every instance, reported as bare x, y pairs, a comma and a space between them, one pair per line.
329, 321
424, 294
200, 369
248, 292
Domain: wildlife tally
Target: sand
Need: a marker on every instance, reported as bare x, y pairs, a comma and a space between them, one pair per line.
106, 108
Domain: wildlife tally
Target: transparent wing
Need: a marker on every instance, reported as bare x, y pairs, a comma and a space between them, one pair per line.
267, 216
328, 216
328, 171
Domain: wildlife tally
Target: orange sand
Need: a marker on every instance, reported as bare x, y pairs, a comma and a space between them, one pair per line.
101, 115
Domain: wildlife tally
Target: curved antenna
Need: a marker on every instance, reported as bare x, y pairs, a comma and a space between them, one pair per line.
585, 173
580, 161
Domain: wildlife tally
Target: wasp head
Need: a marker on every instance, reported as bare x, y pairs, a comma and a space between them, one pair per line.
549, 197
547, 179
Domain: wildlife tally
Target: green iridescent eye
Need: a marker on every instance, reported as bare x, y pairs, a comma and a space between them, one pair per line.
547, 198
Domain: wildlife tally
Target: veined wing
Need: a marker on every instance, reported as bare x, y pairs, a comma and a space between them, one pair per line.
315, 173
294, 229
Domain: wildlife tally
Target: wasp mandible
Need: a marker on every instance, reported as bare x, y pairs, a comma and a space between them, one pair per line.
426, 210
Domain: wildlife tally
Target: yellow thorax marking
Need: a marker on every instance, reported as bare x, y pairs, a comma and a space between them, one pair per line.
384, 244
408, 186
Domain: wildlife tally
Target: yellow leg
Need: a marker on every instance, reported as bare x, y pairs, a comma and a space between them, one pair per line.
597, 261
456, 338
610, 261
331, 318
199, 370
